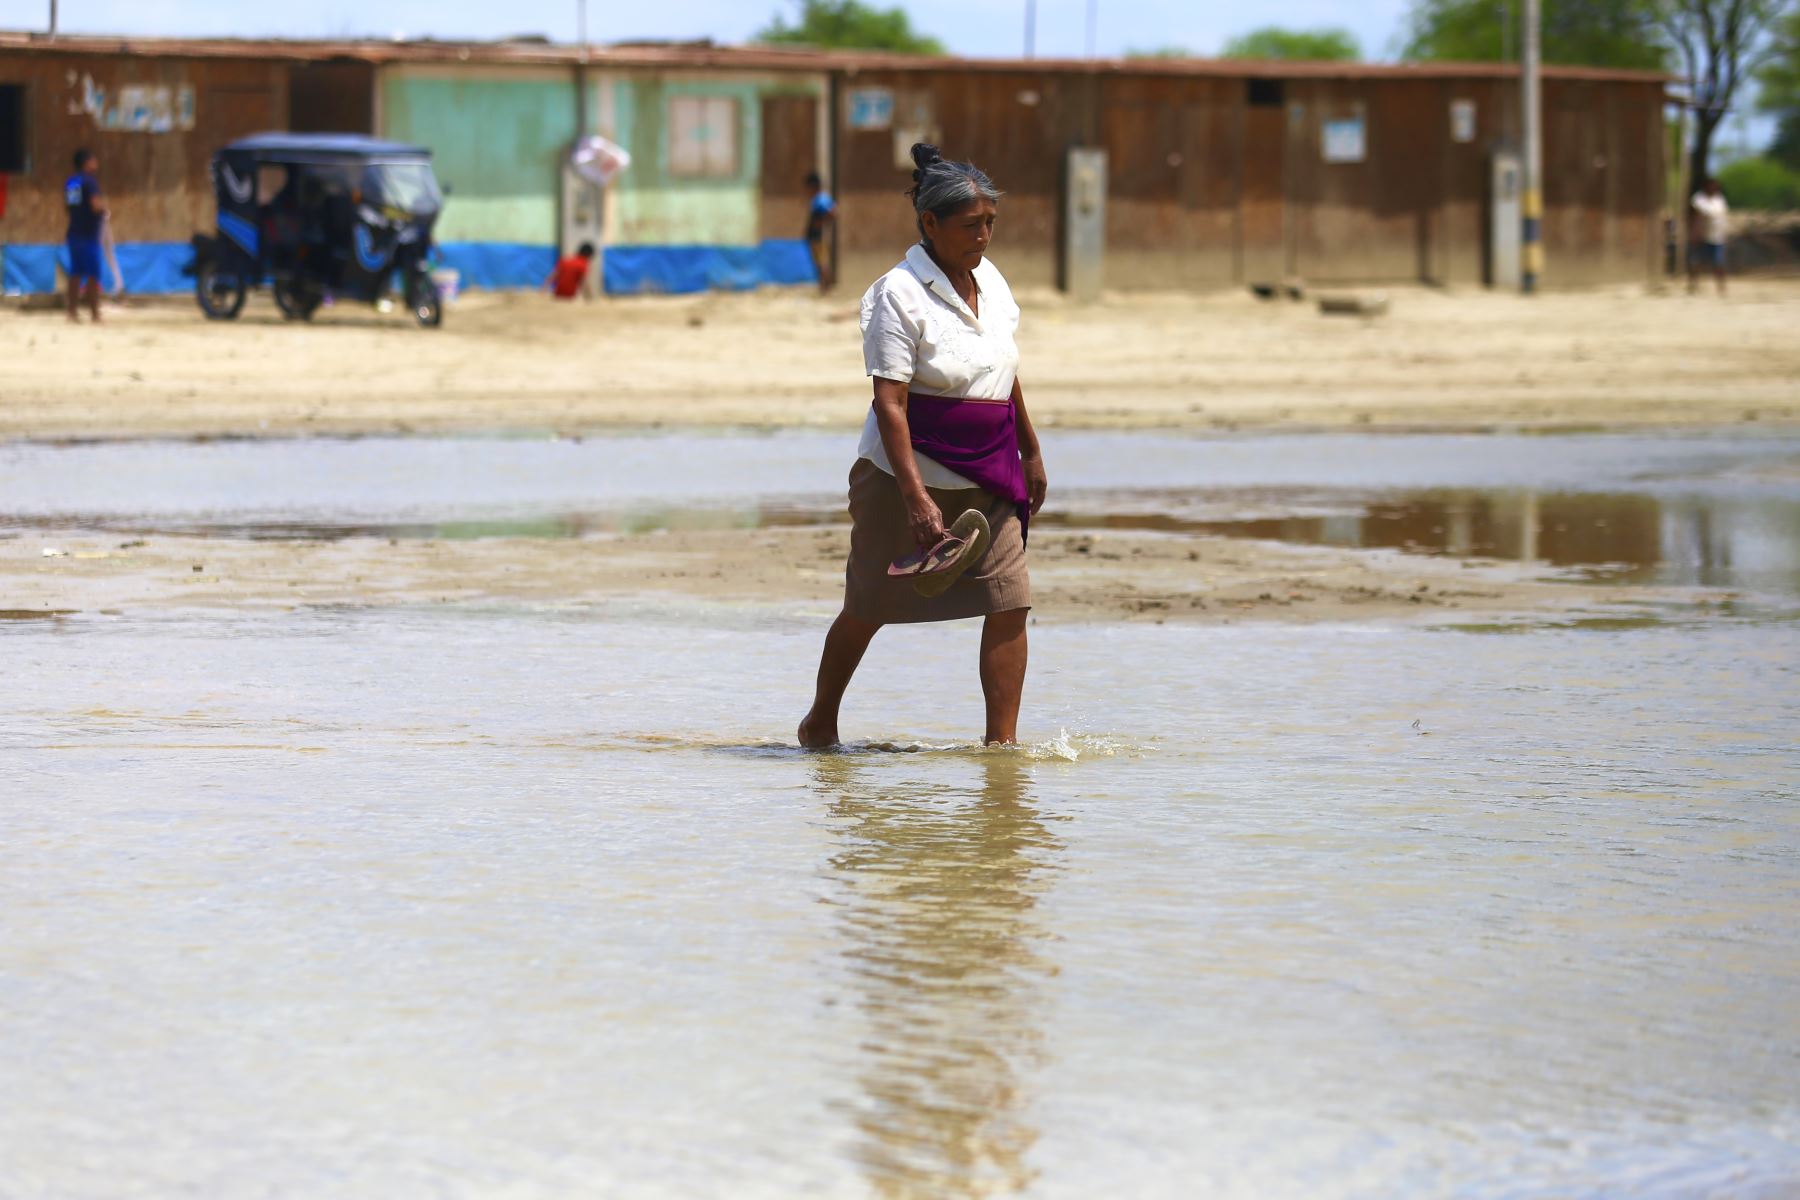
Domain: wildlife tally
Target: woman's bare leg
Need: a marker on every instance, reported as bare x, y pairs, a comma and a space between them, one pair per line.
844, 646
1003, 655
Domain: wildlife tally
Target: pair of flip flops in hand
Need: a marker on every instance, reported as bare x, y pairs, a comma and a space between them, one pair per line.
935, 568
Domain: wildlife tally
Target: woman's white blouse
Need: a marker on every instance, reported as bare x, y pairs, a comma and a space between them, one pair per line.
918, 331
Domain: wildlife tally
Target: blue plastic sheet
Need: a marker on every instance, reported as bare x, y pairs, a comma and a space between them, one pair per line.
28, 270
631, 269
153, 268
150, 268
496, 265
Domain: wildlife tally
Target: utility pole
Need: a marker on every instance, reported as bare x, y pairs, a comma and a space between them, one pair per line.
1030, 28
53, 19
1532, 97
1684, 183
581, 98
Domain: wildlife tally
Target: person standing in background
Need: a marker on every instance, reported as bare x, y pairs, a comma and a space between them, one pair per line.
1711, 227
81, 196
821, 216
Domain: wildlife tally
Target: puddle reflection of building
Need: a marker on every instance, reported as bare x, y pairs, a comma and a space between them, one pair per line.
944, 946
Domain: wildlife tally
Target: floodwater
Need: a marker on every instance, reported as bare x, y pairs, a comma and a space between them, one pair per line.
503, 900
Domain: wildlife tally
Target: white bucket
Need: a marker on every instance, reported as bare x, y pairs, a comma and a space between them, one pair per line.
449, 282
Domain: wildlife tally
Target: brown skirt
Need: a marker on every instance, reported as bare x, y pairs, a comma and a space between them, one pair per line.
879, 534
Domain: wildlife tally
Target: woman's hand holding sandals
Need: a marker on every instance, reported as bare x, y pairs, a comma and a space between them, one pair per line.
924, 519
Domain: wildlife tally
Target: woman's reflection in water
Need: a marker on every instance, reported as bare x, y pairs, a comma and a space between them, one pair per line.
945, 949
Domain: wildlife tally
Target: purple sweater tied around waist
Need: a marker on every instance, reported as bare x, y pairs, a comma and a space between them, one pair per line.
978, 439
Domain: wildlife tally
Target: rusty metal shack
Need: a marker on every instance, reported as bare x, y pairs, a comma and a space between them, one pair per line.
1216, 173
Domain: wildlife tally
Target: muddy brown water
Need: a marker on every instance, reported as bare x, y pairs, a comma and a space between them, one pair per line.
534, 901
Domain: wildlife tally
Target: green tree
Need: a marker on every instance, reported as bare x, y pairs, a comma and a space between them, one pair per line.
1590, 33
1761, 183
1719, 44
1785, 149
1779, 82
1307, 45
849, 25
1714, 45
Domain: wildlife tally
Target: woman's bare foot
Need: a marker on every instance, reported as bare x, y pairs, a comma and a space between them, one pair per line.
816, 733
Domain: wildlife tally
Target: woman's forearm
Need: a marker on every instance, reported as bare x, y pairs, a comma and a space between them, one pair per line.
896, 435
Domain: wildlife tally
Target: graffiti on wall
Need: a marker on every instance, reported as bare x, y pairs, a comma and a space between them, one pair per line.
134, 107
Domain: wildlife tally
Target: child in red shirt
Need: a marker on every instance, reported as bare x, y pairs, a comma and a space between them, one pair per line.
565, 282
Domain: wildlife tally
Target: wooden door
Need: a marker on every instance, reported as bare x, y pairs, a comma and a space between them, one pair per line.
790, 140
1262, 205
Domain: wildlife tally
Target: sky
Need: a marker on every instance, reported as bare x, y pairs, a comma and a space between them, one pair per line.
986, 28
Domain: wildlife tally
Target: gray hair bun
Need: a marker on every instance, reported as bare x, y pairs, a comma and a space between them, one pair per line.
941, 186
924, 155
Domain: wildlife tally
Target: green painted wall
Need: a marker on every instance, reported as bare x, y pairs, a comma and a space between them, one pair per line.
497, 143
652, 207
497, 140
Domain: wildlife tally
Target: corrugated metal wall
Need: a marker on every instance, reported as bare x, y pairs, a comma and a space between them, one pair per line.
656, 203
331, 97
497, 135
156, 176
1216, 181
1016, 125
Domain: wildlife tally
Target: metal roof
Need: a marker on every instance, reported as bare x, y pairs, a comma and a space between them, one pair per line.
701, 55
324, 145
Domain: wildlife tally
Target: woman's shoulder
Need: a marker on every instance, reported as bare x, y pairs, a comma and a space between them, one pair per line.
900, 285
900, 279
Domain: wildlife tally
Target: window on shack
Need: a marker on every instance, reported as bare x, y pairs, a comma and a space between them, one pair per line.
13, 157
1264, 93
703, 137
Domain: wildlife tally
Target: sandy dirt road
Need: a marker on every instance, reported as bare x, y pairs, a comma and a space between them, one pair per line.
1468, 360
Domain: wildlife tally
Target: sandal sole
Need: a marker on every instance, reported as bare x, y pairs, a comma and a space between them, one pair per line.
973, 526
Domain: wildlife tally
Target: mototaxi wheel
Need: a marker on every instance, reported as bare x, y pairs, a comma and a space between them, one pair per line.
220, 291
296, 301
426, 302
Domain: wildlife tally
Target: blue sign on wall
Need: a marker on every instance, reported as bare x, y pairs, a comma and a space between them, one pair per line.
871, 108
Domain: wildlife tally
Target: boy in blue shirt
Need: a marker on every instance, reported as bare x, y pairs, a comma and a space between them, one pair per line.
81, 196
821, 214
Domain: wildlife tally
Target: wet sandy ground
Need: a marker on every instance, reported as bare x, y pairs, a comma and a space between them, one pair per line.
1076, 576
1149, 528
1439, 360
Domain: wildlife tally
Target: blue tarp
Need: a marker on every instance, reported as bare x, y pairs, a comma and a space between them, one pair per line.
26, 270
497, 265
155, 267
631, 269
149, 268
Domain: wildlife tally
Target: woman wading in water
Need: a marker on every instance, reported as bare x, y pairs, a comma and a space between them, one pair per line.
947, 433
